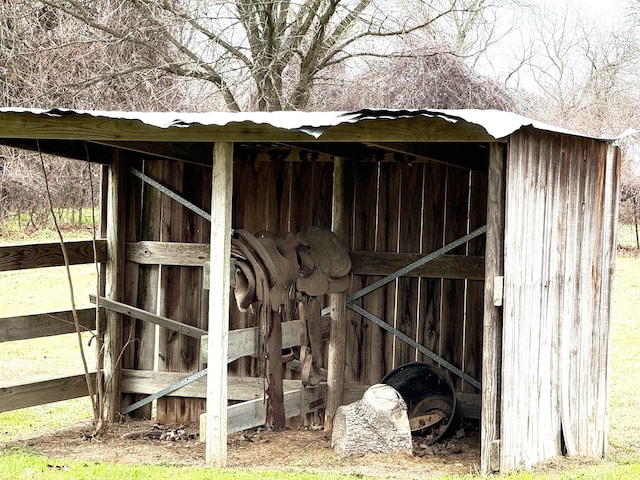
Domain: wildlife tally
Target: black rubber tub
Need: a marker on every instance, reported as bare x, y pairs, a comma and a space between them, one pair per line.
434, 413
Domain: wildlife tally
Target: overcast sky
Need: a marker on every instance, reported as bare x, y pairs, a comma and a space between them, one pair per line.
502, 58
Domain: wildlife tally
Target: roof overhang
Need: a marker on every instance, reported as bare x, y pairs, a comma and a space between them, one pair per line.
189, 136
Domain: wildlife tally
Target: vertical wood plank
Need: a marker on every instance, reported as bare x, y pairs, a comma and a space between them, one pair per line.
515, 381
375, 301
544, 435
171, 299
472, 354
337, 341
410, 240
181, 287
550, 198
492, 321
195, 230
322, 215
114, 287
267, 198
567, 322
390, 218
102, 273
302, 196
130, 327
286, 205
609, 212
452, 320
245, 216
221, 197
363, 238
149, 275
430, 288
323, 187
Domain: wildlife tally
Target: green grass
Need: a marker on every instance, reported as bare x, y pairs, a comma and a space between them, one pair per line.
17, 227
24, 464
31, 421
624, 432
627, 235
21, 463
35, 291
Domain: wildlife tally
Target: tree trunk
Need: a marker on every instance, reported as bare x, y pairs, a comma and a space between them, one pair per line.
378, 423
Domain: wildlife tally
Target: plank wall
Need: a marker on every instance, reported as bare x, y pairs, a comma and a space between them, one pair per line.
559, 254
392, 206
415, 207
172, 291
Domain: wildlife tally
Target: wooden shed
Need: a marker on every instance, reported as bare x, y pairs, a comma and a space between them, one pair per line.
480, 242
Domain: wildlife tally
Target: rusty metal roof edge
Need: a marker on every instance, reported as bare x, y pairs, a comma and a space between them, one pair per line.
498, 124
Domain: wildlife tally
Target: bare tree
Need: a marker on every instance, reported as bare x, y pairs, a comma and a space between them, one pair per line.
265, 55
630, 203
51, 59
575, 71
427, 80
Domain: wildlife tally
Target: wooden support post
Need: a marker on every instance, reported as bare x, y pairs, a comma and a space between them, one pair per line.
216, 427
492, 323
114, 288
338, 302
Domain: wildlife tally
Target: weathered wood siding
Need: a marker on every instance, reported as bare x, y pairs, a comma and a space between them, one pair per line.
391, 206
416, 207
173, 291
559, 254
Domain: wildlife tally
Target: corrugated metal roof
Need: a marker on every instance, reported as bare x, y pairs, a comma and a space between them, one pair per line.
498, 124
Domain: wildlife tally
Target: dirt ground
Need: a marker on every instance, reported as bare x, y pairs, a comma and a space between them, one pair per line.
144, 442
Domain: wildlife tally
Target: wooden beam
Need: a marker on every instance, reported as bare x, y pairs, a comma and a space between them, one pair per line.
245, 341
73, 149
119, 307
116, 210
38, 255
221, 197
168, 253
471, 156
45, 324
251, 414
338, 306
362, 263
43, 392
492, 323
199, 153
75, 126
446, 266
148, 382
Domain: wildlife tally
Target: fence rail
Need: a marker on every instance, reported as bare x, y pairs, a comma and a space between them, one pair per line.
38, 255
242, 342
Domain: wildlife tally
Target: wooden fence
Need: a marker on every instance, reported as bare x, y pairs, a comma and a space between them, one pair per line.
46, 324
242, 342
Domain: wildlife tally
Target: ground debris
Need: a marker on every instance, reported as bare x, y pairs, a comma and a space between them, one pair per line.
459, 442
163, 433
138, 442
